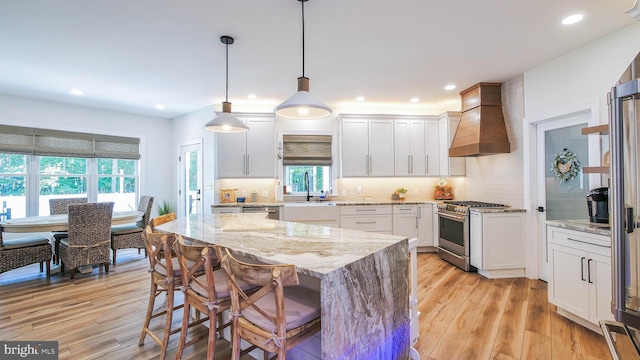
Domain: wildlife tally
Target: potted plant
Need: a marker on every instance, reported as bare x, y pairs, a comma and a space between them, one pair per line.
402, 192
165, 208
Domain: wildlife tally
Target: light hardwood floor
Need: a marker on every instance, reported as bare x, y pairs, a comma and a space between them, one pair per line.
464, 316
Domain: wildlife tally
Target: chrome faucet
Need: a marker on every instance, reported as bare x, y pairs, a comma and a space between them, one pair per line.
306, 181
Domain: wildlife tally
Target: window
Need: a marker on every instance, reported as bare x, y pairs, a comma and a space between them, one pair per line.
117, 182
13, 185
307, 154
60, 177
65, 164
319, 178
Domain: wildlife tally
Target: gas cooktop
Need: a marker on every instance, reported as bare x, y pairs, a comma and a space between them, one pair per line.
474, 204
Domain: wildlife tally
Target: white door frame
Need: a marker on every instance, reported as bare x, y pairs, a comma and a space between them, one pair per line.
531, 197
181, 179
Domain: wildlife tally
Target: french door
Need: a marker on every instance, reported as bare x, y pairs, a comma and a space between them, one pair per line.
190, 180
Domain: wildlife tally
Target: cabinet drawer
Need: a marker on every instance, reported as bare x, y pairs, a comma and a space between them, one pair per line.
225, 210
405, 209
375, 223
589, 242
366, 210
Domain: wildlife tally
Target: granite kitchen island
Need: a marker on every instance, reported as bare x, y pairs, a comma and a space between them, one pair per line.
363, 279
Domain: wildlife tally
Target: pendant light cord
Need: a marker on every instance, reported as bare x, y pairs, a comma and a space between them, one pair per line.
303, 1
226, 90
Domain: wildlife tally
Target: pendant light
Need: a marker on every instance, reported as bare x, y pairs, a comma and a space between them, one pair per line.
303, 105
225, 122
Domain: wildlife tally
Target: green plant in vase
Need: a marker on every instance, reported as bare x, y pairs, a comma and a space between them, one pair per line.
165, 208
402, 192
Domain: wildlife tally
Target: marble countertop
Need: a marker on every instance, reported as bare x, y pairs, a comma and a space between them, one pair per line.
497, 210
582, 225
339, 203
315, 250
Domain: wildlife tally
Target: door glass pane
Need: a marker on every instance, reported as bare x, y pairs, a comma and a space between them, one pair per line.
191, 181
566, 200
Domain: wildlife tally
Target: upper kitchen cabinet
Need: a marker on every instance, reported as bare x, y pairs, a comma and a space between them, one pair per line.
432, 156
367, 145
249, 154
410, 147
447, 125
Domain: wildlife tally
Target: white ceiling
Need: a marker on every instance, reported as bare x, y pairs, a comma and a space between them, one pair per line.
129, 55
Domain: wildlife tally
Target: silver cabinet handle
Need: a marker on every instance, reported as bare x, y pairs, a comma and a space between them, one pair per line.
366, 222
366, 160
582, 268
426, 165
589, 271
409, 164
248, 165
244, 164
370, 165
365, 209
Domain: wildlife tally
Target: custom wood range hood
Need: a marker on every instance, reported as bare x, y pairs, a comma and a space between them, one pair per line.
481, 130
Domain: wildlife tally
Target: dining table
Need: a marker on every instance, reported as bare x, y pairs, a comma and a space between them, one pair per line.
47, 223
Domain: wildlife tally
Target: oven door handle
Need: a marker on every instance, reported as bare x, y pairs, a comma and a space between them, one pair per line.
451, 217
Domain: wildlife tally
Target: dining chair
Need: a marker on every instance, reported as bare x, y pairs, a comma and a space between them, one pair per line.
15, 253
276, 317
89, 237
208, 293
166, 278
60, 206
128, 236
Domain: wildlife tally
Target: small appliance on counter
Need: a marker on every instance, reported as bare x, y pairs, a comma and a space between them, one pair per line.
598, 205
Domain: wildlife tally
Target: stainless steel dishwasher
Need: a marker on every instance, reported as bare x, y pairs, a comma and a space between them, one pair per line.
272, 211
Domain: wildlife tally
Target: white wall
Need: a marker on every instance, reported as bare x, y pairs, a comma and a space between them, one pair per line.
582, 75
154, 133
185, 129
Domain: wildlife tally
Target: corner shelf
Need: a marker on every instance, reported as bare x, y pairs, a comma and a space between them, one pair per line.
598, 129
595, 169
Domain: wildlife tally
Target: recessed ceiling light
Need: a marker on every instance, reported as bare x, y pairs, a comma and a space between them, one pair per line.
251, 96
414, 100
572, 19
450, 87
160, 107
76, 92
360, 98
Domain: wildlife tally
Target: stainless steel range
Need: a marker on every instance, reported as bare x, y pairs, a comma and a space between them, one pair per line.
453, 230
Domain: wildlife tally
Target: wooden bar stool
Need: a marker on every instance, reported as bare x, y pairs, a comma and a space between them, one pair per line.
207, 293
166, 278
276, 317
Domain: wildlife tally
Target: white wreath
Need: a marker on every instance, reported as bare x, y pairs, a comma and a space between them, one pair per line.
566, 165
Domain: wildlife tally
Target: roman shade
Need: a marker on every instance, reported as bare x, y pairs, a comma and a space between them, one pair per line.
46, 142
314, 150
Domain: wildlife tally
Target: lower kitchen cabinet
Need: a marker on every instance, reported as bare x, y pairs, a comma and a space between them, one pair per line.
225, 209
497, 243
313, 215
405, 220
427, 223
580, 274
372, 218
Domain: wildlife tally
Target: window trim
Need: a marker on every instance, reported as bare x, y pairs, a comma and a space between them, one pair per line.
334, 150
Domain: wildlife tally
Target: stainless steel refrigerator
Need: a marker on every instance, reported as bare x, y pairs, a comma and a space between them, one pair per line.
624, 132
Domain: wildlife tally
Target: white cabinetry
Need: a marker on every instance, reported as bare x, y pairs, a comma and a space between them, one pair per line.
580, 279
497, 246
372, 218
447, 125
405, 220
426, 235
367, 146
250, 154
432, 156
225, 209
410, 147
324, 215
